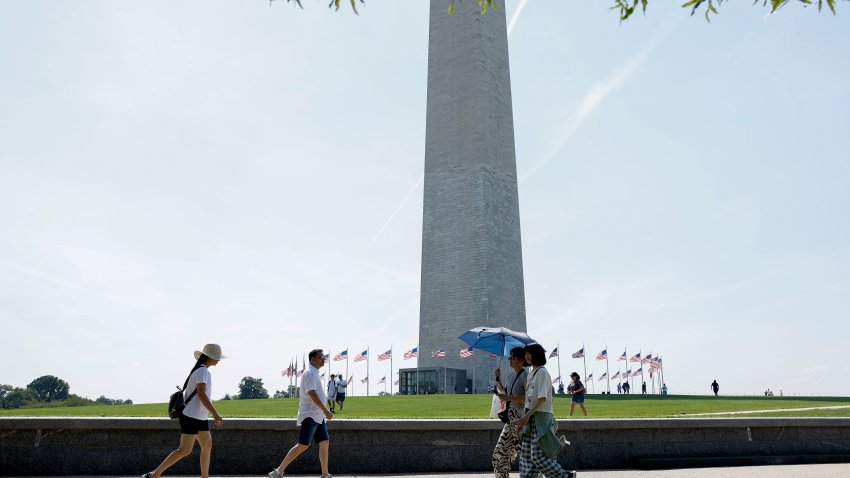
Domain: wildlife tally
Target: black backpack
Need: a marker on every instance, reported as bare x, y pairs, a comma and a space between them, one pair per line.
176, 404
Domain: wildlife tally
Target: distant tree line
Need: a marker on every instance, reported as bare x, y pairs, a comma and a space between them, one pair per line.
49, 391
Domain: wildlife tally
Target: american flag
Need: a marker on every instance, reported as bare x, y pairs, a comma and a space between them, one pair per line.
579, 354
554, 353
628, 374
439, 353
602, 355
604, 375
365, 379
616, 375
382, 380
362, 356
412, 353
341, 356
589, 377
466, 353
556, 379
647, 359
623, 357
396, 382
637, 372
492, 355
636, 358
386, 355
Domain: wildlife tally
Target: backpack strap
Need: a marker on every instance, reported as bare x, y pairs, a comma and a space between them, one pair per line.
186, 384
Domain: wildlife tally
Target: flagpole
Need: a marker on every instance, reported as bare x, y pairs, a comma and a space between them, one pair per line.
346, 363
417, 369
473, 374
560, 377
607, 371
391, 367
445, 372
367, 370
642, 379
584, 359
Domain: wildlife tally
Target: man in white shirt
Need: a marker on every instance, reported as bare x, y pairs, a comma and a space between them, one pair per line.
332, 393
312, 417
341, 388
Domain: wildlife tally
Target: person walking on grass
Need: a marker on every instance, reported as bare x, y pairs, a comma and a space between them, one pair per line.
578, 392
511, 391
193, 420
313, 417
715, 387
332, 393
537, 426
341, 388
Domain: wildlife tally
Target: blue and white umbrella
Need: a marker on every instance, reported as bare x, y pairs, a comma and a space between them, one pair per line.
496, 340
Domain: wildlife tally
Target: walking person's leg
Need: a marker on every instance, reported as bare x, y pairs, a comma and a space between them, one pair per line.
542, 464
324, 452
186, 443
308, 429
583, 409
505, 451
205, 442
572, 407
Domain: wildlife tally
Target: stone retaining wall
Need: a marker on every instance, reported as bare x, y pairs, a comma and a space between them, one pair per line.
131, 446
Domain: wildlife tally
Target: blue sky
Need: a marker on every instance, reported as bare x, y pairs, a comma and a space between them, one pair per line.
173, 174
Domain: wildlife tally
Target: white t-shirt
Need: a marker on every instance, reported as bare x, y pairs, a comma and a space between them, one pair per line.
311, 380
342, 386
195, 409
331, 389
539, 384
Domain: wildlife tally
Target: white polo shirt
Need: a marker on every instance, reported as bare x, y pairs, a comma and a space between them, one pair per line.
311, 380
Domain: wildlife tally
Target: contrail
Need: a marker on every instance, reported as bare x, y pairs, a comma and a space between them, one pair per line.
516, 16
403, 201
594, 97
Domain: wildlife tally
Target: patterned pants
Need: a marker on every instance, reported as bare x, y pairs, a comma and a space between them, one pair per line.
532, 461
507, 448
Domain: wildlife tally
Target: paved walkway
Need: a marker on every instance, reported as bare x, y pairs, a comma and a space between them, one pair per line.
833, 407
781, 471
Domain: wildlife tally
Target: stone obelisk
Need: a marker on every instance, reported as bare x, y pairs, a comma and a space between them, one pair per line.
471, 246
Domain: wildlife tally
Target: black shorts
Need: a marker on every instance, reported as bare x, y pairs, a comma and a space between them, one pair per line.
191, 426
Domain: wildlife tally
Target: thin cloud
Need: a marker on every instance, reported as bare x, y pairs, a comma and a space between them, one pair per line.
515, 16
594, 97
403, 202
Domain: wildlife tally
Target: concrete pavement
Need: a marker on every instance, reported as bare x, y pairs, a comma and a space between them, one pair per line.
778, 471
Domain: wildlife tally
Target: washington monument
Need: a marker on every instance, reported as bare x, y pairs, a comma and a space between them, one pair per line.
471, 244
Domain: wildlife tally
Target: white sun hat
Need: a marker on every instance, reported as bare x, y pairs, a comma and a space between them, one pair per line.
212, 351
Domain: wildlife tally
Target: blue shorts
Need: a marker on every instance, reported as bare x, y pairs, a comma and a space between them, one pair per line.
578, 398
311, 429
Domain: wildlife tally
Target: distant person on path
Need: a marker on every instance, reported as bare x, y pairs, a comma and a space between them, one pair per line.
313, 417
626, 387
537, 426
715, 387
619, 388
332, 393
643, 388
663, 389
577, 391
511, 391
193, 421
561, 388
341, 387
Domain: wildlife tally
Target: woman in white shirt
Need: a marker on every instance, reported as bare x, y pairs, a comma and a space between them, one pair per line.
193, 420
539, 445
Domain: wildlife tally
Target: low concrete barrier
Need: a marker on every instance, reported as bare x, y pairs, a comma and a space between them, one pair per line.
131, 446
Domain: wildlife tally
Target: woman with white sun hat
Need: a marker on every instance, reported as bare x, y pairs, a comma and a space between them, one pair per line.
197, 393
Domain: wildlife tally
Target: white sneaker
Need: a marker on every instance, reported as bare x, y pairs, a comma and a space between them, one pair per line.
275, 474
563, 440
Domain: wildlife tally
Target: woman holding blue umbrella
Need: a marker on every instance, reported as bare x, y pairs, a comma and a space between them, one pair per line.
512, 392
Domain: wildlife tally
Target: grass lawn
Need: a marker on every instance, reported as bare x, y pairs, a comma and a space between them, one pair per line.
477, 406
